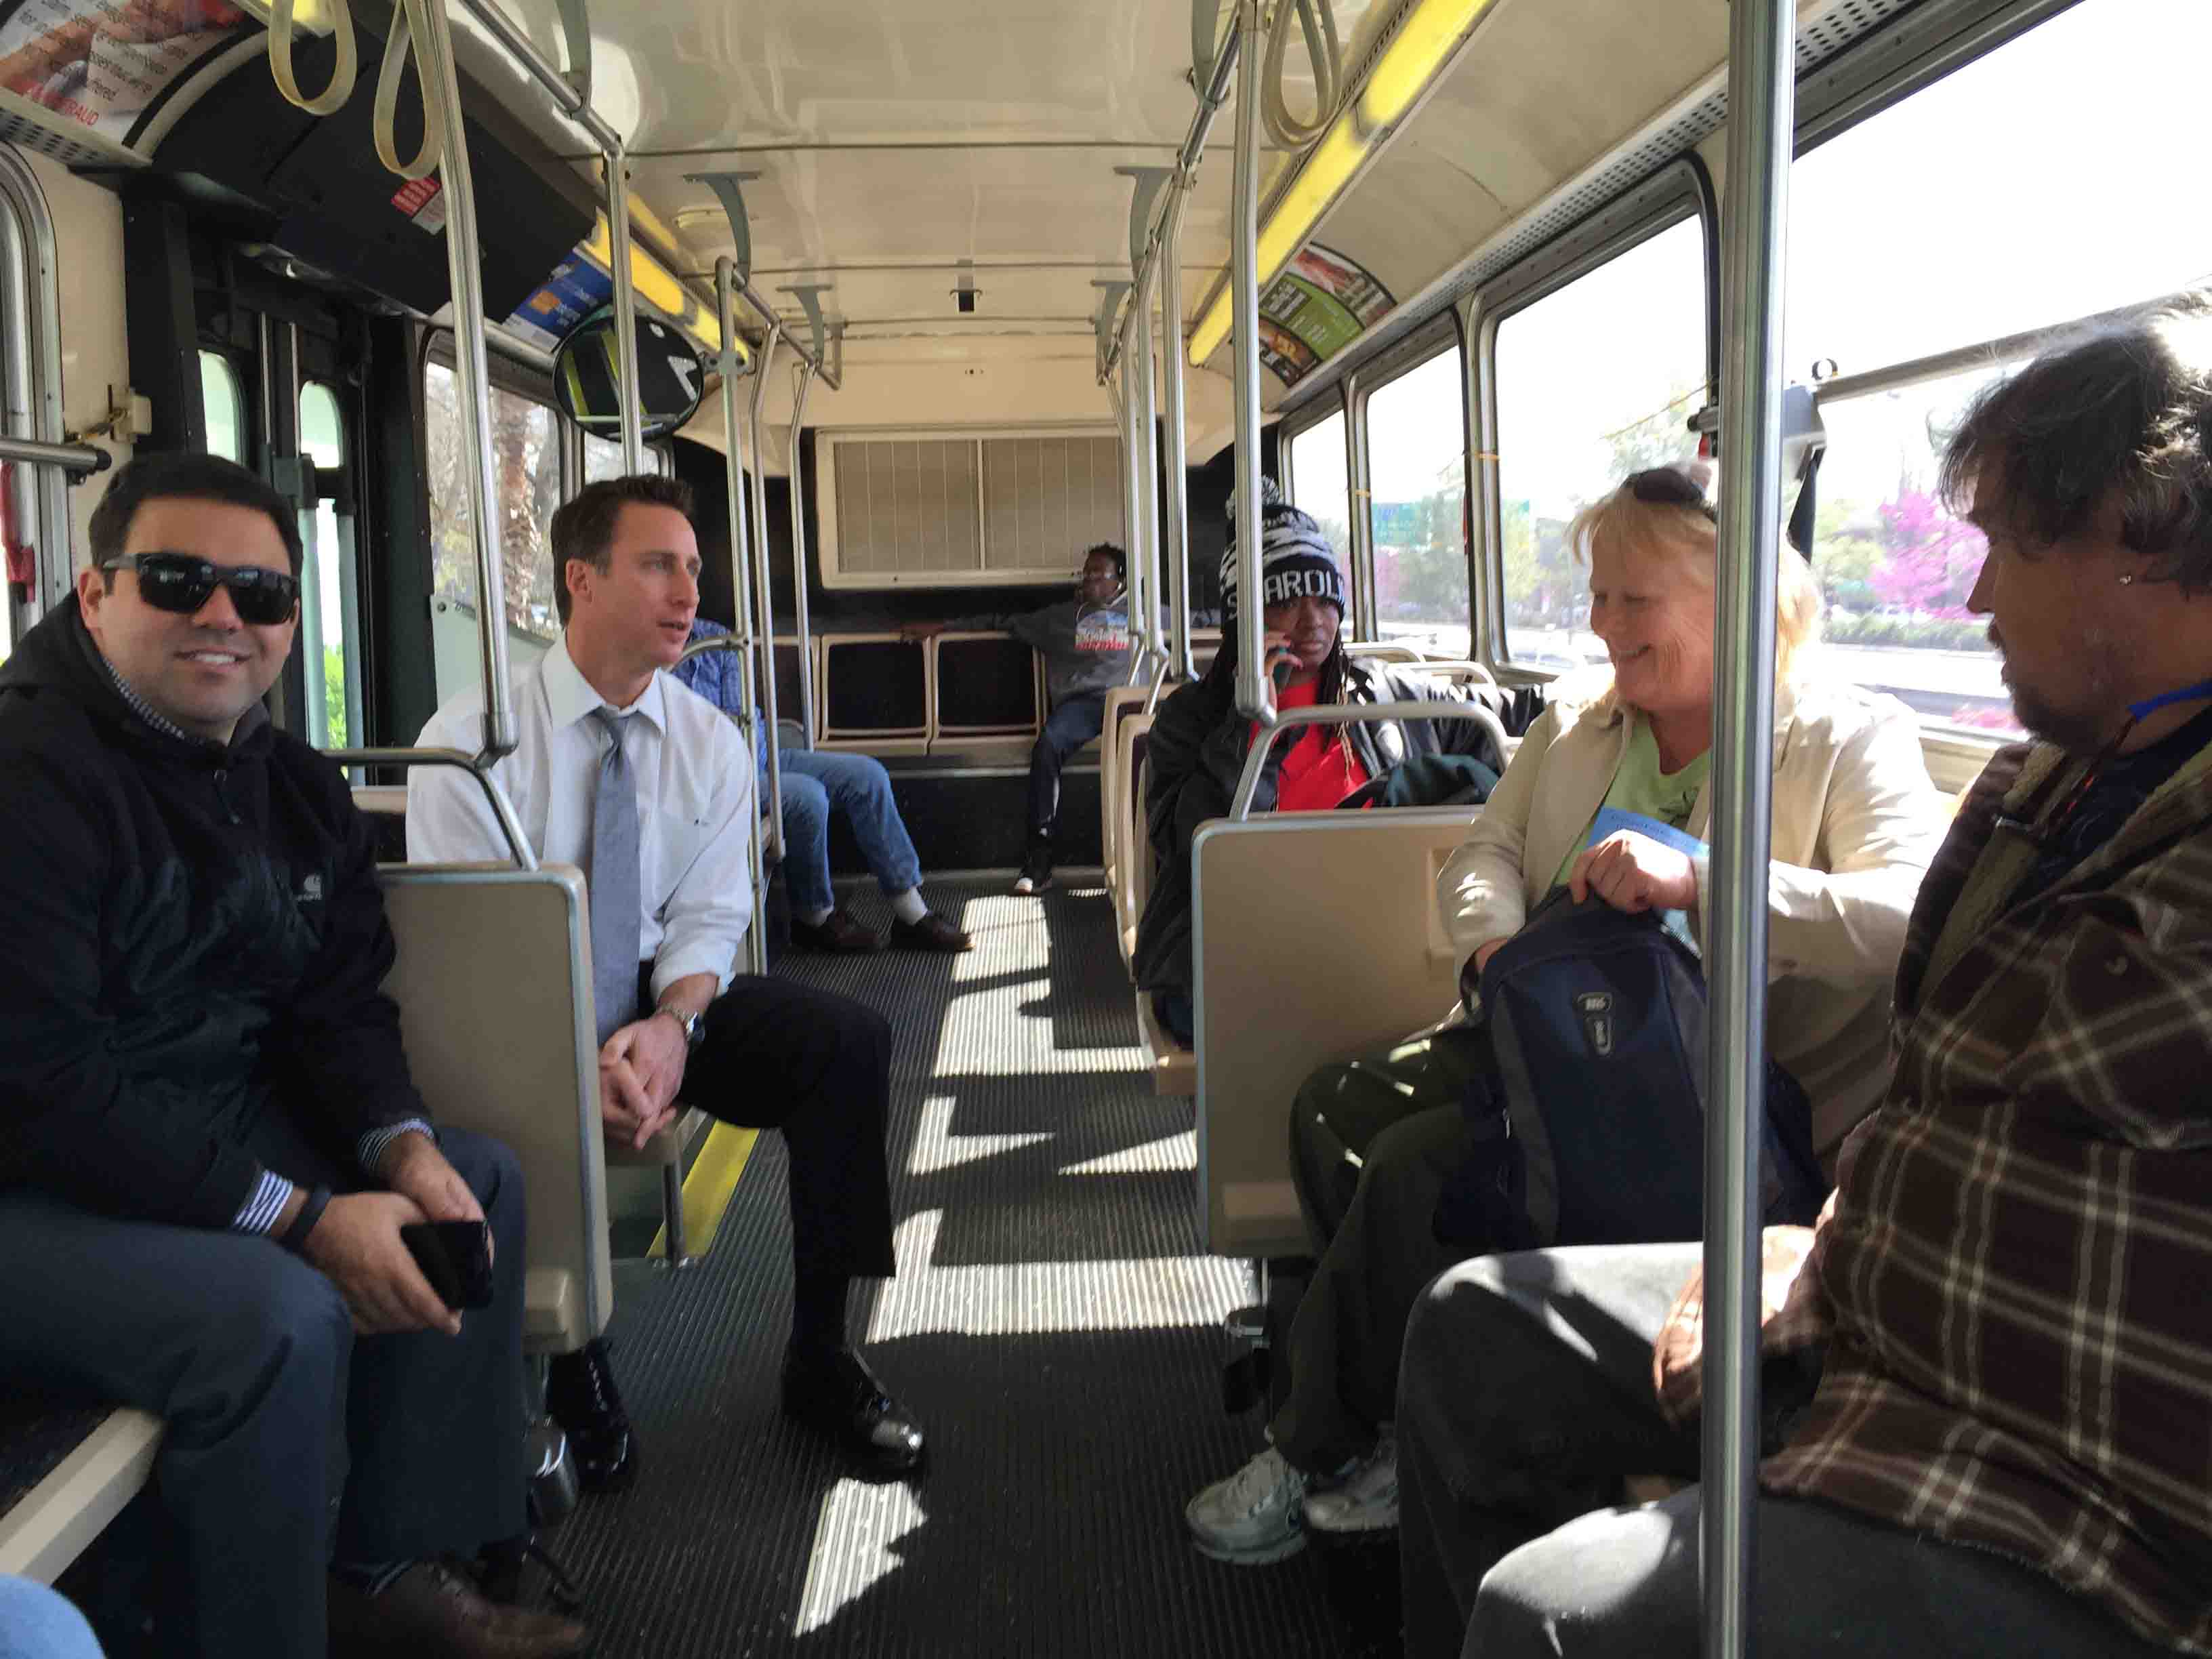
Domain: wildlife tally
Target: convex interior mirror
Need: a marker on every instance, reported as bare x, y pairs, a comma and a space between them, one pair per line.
670, 377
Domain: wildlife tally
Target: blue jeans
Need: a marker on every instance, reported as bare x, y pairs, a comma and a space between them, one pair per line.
37, 1624
813, 783
1067, 729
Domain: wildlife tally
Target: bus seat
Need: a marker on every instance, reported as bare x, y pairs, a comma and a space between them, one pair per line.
1269, 1009
1121, 700
53, 1509
1174, 1067
493, 984
1131, 843
1144, 858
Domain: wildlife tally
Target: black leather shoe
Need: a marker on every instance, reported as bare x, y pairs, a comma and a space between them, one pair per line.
840, 933
841, 1397
580, 1394
931, 932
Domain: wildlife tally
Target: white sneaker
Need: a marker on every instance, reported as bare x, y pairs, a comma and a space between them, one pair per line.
1365, 1499
1252, 1517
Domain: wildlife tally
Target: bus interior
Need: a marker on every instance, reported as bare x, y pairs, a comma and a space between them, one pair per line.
959, 283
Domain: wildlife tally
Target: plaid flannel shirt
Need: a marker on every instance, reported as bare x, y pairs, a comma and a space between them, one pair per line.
2017, 1276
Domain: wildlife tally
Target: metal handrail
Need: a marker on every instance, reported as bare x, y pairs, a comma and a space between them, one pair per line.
1227, 63
805, 374
441, 84
1385, 650
80, 461
1762, 99
1454, 665
1176, 554
1256, 691
734, 477
764, 612
476, 766
1348, 714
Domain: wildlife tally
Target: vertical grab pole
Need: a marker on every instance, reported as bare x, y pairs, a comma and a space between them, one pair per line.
617, 163
733, 475
1255, 692
433, 45
805, 383
1761, 97
1174, 552
1148, 454
764, 652
1132, 515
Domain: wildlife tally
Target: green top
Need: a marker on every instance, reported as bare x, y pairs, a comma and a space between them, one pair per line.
1638, 786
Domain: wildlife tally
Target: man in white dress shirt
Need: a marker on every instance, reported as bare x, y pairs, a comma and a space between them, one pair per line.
758, 1051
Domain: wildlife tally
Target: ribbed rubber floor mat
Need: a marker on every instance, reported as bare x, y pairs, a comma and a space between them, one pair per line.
1052, 1326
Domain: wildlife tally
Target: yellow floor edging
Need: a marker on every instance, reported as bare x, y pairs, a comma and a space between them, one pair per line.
709, 1187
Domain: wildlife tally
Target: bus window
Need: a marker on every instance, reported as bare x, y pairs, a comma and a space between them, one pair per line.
527, 470
2066, 114
601, 459
222, 407
1318, 486
1417, 468
1594, 381
329, 587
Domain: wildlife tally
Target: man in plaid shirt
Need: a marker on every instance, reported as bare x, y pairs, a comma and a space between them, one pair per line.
1989, 1379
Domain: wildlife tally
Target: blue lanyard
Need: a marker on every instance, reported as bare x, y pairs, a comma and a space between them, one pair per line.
2197, 693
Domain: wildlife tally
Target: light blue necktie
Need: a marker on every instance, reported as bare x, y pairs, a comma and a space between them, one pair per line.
616, 914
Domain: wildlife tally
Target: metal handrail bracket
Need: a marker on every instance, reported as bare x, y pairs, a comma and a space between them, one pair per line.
476, 766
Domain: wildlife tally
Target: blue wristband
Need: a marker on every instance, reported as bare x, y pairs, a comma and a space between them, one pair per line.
295, 1235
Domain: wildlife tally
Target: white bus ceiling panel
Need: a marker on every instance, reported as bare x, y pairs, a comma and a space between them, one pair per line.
707, 73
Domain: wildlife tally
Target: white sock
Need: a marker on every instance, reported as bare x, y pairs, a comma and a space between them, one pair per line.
816, 918
909, 908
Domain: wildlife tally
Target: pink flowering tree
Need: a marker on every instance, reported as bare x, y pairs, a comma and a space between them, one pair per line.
1929, 559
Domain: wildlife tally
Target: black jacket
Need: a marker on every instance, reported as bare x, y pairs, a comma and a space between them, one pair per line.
190, 936
1195, 753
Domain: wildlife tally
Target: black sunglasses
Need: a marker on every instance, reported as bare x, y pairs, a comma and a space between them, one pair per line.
1662, 486
181, 583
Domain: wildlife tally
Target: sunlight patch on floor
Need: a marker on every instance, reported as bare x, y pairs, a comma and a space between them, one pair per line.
1031, 1298
853, 1548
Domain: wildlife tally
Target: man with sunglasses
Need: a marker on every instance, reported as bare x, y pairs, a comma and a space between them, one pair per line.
209, 1138
2003, 1446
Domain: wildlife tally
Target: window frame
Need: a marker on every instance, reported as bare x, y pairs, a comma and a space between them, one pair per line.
31, 379
1431, 340
1319, 413
1680, 192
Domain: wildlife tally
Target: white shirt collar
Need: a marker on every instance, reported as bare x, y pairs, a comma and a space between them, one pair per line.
570, 697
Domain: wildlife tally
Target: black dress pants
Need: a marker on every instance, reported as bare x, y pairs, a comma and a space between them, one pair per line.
290, 1441
781, 1055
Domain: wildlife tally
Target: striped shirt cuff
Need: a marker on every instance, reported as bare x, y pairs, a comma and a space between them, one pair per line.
258, 1215
377, 1142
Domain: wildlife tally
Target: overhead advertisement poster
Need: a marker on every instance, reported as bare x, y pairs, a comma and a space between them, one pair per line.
105, 63
1320, 304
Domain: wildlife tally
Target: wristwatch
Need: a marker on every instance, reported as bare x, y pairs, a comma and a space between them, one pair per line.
694, 1026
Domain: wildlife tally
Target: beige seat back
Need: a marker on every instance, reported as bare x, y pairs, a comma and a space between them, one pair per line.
1316, 936
493, 984
1131, 846
1111, 784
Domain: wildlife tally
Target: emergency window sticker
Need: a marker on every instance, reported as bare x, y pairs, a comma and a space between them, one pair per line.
424, 201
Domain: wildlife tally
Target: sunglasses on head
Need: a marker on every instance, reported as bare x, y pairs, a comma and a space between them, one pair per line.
181, 583
1662, 486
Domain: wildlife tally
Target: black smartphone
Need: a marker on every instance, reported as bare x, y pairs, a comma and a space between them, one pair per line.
455, 1257
1281, 673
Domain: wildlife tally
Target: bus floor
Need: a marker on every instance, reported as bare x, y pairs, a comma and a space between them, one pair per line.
1055, 1326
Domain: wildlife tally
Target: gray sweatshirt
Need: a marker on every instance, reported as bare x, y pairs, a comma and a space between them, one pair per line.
1087, 646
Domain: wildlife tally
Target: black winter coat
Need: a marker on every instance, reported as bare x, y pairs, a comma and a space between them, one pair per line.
1195, 754
190, 935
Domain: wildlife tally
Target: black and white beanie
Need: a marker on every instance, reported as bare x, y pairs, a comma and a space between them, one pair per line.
1296, 561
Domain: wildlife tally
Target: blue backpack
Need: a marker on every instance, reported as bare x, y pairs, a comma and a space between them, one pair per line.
1588, 1127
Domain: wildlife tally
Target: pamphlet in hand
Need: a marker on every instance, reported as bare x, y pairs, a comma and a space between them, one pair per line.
1611, 820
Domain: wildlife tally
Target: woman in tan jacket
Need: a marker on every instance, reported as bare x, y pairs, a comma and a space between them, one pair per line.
1855, 822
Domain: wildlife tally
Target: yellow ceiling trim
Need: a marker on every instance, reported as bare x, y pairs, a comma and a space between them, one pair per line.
1425, 42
